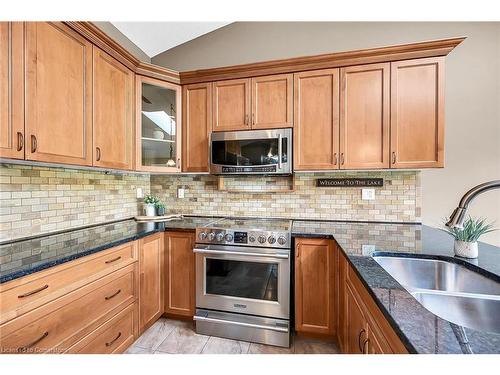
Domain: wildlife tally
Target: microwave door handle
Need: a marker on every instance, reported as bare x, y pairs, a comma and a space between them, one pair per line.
280, 150
222, 252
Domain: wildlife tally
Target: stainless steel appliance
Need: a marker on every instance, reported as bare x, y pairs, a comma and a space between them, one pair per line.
243, 280
251, 152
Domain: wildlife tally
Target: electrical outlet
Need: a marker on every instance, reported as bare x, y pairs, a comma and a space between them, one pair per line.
139, 193
180, 193
367, 194
367, 250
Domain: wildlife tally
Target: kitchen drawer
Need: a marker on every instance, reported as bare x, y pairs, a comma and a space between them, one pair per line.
114, 336
59, 324
27, 293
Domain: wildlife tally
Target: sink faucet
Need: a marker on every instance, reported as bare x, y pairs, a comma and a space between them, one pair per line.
458, 216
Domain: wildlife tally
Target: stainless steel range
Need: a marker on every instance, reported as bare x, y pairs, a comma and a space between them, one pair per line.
243, 280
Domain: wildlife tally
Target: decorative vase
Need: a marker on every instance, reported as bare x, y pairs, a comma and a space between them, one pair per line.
466, 249
160, 211
149, 209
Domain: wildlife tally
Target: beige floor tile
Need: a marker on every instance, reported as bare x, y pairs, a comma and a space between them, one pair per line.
183, 340
309, 346
218, 345
138, 350
268, 349
155, 334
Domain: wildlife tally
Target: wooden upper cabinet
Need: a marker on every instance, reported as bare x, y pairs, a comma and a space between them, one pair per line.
316, 120
179, 273
417, 113
364, 116
197, 125
58, 94
315, 269
272, 101
231, 105
11, 90
113, 86
151, 262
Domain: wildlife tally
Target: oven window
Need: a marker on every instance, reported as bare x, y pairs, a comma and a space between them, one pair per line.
242, 279
249, 152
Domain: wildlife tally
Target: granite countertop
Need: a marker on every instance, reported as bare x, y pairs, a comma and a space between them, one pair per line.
420, 330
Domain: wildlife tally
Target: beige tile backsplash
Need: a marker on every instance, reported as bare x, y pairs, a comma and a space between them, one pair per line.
36, 200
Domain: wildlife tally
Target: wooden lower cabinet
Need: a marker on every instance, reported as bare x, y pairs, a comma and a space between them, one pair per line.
151, 259
179, 274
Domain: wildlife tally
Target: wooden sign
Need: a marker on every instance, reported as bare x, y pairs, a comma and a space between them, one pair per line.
349, 182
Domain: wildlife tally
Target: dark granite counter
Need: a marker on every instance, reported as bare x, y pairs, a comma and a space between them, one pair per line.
420, 330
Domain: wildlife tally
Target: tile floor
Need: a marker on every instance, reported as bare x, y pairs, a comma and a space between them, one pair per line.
168, 336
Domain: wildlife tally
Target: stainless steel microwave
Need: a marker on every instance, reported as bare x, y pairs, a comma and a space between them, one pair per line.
251, 152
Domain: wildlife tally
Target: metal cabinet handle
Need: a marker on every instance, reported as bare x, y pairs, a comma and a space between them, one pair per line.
179, 163
364, 346
253, 118
25, 348
246, 119
33, 291
113, 260
113, 295
113, 341
20, 141
342, 158
335, 159
393, 157
97, 154
359, 339
34, 143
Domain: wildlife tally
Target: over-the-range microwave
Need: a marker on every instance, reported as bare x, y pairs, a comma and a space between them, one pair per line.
251, 152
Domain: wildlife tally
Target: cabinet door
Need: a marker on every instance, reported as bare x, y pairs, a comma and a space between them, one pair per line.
151, 261
11, 90
417, 113
272, 100
158, 125
314, 286
231, 105
58, 94
197, 125
316, 127
364, 116
180, 268
112, 112
376, 342
357, 326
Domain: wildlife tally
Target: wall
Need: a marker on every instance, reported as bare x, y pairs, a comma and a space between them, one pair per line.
35, 200
398, 200
472, 153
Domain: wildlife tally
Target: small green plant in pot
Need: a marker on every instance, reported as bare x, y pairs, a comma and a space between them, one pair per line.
149, 205
160, 209
466, 238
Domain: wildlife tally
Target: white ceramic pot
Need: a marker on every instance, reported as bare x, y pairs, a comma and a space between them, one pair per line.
466, 249
149, 209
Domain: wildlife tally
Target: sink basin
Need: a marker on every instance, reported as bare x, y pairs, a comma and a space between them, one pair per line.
448, 290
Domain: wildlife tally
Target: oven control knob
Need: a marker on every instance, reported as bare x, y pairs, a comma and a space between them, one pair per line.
262, 239
271, 239
219, 237
228, 237
202, 235
281, 240
211, 236
251, 239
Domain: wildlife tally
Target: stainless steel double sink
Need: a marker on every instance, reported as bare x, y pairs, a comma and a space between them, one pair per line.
448, 290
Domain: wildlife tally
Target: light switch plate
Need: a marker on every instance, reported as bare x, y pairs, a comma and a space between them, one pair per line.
367, 194
180, 193
367, 250
139, 193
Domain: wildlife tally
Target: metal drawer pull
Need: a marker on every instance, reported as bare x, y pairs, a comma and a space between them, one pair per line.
20, 141
342, 158
113, 260
335, 159
34, 143
251, 325
113, 295
222, 252
364, 346
393, 158
33, 291
359, 339
113, 341
98, 154
25, 348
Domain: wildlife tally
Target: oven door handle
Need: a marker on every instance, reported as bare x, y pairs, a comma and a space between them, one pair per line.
222, 252
243, 324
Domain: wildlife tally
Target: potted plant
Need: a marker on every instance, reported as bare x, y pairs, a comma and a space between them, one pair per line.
466, 239
149, 205
160, 209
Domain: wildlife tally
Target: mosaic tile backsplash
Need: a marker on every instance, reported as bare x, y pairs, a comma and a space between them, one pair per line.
36, 200
399, 200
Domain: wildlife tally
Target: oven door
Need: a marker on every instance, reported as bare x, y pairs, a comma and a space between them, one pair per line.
251, 152
245, 280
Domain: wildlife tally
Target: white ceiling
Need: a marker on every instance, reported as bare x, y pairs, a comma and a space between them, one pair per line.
156, 37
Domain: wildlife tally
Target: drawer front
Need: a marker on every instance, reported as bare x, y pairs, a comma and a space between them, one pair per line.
59, 324
26, 294
114, 336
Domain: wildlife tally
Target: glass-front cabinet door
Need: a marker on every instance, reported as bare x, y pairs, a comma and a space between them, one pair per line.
158, 125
